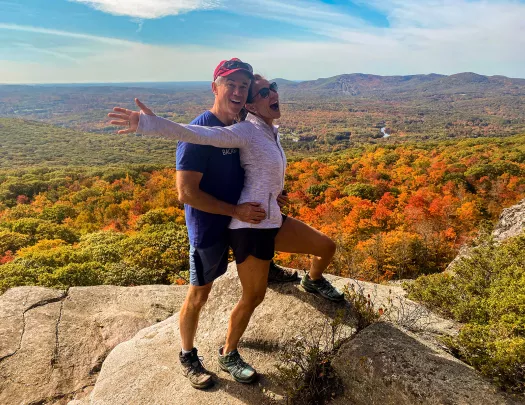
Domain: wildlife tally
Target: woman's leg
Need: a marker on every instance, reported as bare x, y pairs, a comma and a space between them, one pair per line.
297, 237
253, 274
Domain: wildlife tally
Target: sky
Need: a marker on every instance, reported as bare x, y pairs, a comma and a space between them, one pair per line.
80, 41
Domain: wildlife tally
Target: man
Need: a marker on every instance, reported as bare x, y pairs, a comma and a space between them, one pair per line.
209, 182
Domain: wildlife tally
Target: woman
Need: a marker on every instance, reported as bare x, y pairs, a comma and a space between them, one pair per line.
264, 163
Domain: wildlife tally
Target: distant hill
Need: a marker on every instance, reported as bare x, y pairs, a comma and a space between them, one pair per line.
320, 114
84, 107
29, 143
284, 82
367, 85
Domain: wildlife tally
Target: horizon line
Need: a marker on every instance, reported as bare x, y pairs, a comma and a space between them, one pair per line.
209, 81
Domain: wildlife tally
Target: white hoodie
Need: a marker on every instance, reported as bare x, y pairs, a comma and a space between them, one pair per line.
261, 155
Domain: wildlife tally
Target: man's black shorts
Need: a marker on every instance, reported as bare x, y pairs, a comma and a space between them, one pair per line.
256, 242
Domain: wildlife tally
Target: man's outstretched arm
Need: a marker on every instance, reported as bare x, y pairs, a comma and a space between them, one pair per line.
188, 187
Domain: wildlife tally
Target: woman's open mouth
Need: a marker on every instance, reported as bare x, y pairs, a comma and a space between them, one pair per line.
275, 106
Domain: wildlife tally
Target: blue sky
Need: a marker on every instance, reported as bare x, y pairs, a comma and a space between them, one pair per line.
71, 41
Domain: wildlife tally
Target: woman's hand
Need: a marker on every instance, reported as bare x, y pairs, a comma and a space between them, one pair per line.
282, 199
127, 118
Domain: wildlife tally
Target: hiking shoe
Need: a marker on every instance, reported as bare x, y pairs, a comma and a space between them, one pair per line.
192, 368
234, 364
323, 287
279, 274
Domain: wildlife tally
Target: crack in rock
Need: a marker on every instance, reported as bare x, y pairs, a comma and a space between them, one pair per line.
48, 301
54, 360
21, 335
35, 305
95, 369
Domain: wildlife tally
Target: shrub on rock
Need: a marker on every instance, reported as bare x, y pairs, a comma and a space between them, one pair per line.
487, 293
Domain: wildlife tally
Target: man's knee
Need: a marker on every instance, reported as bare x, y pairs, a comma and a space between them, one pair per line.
197, 296
254, 300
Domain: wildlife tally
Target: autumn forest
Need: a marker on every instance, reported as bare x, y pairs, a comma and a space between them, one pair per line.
396, 210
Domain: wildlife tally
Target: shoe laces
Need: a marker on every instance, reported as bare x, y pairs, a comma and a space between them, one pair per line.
324, 284
197, 365
239, 364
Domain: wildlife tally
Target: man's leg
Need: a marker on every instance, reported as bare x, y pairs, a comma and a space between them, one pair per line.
205, 266
190, 312
191, 365
253, 274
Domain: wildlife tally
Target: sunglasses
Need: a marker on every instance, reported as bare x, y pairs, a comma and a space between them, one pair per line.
237, 64
265, 91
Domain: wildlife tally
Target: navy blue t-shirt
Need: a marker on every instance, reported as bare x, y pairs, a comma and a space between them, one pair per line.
223, 178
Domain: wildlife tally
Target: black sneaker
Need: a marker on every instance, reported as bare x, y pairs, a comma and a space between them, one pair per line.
234, 364
192, 368
323, 287
278, 274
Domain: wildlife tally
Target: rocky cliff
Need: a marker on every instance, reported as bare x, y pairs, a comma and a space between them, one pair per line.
118, 345
511, 223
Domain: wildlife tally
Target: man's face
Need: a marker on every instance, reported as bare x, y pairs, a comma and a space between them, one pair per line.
232, 92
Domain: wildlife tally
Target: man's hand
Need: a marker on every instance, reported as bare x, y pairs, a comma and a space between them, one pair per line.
249, 212
128, 118
283, 199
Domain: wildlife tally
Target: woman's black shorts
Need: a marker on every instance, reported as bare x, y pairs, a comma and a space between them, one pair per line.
256, 242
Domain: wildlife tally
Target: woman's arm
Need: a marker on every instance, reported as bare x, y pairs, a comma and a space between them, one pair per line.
222, 137
147, 123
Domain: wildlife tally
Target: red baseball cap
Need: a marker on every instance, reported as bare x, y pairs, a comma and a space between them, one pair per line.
227, 67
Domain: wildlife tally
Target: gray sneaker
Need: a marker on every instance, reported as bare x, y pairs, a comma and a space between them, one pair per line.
323, 287
234, 364
192, 368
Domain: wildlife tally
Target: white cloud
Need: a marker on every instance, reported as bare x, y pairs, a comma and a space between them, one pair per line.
439, 36
288, 59
149, 8
139, 62
443, 13
302, 13
67, 34
54, 53
296, 12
